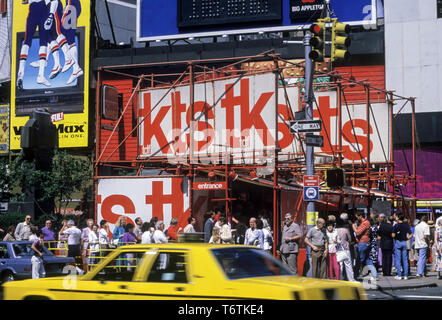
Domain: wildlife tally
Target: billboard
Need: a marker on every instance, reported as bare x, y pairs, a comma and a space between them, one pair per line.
180, 19
236, 122
144, 197
50, 66
234, 116
4, 129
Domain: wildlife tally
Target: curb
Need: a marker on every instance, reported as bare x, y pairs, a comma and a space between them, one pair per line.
407, 287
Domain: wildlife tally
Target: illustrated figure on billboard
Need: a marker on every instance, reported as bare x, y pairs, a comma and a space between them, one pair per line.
56, 39
37, 17
69, 23
57, 28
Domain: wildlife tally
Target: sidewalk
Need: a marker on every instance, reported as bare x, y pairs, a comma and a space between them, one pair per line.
413, 282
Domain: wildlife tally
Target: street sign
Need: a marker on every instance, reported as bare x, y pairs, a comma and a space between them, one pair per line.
311, 181
305, 126
314, 141
311, 193
220, 185
311, 188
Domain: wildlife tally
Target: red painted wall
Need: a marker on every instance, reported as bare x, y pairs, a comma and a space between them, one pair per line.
373, 75
128, 150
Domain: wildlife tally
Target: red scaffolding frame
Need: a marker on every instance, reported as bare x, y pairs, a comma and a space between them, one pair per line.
361, 175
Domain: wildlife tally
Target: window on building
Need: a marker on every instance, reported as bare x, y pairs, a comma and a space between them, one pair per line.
3, 6
439, 9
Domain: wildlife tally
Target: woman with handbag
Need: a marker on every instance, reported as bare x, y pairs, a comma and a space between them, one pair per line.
343, 255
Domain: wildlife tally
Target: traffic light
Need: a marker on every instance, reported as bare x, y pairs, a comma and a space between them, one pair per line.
335, 178
39, 137
340, 41
317, 41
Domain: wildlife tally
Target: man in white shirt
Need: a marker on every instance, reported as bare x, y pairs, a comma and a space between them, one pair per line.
23, 229
421, 239
74, 240
225, 232
254, 236
190, 227
158, 235
137, 231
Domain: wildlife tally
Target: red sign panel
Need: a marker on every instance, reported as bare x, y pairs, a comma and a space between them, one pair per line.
311, 181
221, 185
57, 117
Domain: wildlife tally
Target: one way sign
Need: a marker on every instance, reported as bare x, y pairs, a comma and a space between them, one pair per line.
305, 126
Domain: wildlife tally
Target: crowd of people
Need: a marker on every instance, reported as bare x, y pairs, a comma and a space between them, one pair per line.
340, 248
346, 250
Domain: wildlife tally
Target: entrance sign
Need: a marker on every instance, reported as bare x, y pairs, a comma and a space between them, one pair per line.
220, 185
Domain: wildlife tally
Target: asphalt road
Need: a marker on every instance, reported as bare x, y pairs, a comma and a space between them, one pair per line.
434, 294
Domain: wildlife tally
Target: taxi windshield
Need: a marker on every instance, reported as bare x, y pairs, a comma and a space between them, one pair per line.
239, 263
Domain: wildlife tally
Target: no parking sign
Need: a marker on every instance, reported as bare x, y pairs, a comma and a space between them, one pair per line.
311, 188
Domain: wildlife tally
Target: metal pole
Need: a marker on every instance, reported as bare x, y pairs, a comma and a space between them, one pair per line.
340, 124
391, 166
192, 145
367, 90
413, 118
97, 138
275, 172
309, 155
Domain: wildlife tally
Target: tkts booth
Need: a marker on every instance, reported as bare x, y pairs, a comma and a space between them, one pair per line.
179, 139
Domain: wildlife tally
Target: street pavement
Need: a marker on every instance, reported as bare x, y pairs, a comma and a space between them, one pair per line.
429, 294
389, 284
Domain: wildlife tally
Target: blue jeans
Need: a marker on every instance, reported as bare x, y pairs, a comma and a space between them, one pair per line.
400, 252
421, 268
364, 257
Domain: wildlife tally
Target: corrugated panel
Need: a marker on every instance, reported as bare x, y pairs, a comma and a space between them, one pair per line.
128, 150
373, 75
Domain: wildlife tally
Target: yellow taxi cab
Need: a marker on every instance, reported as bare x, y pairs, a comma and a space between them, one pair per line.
185, 271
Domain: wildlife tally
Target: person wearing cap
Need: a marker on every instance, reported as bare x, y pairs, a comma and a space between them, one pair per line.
291, 233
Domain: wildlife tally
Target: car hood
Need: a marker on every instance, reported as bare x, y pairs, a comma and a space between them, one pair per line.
299, 282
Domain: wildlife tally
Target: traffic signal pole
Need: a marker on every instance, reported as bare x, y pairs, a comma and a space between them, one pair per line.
309, 156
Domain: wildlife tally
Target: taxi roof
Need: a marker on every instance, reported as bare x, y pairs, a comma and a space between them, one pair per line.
185, 245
